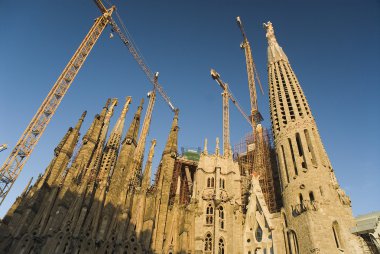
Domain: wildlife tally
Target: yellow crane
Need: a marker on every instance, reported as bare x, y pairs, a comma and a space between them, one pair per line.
256, 117
227, 95
19, 155
3, 147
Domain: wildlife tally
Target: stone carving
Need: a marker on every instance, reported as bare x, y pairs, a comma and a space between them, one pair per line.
344, 199
270, 33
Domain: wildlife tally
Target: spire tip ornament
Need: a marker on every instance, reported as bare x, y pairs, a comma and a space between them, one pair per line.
275, 52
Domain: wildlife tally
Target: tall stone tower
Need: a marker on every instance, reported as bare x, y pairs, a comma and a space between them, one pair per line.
317, 213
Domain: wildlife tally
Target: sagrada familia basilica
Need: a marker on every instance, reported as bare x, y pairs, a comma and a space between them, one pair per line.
101, 199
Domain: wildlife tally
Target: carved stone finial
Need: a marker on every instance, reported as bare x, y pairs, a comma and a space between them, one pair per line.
205, 147
275, 52
217, 147
270, 33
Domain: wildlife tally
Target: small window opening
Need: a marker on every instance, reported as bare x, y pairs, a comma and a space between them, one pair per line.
311, 196
293, 158
300, 150
259, 233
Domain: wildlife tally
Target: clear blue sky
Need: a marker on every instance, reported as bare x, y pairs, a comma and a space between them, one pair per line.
333, 46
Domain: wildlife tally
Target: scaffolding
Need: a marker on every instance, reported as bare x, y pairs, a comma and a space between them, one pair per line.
254, 154
185, 167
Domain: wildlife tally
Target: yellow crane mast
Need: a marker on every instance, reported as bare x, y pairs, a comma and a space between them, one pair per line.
256, 117
16, 160
227, 95
261, 162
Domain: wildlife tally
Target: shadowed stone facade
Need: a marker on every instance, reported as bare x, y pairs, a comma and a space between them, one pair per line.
104, 202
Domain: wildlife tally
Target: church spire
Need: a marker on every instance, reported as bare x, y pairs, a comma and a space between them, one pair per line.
120, 176
93, 132
64, 139
164, 183
112, 147
205, 152
80, 121
148, 167
132, 133
135, 169
217, 149
303, 163
64, 152
287, 100
172, 142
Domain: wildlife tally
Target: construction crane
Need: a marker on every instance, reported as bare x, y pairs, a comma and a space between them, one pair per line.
261, 163
133, 51
227, 95
256, 117
3, 147
20, 154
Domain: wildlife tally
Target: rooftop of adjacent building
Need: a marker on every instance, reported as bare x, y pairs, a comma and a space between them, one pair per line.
367, 223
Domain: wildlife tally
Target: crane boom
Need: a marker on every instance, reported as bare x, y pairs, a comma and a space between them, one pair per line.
227, 95
256, 117
3, 147
223, 85
28, 140
15, 162
132, 49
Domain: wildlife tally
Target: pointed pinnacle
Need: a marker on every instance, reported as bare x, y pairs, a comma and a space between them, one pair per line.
171, 143
217, 147
80, 121
133, 130
148, 166
128, 101
151, 150
205, 147
111, 108
141, 102
107, 103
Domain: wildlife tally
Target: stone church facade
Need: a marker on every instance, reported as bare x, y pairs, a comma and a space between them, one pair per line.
101, 199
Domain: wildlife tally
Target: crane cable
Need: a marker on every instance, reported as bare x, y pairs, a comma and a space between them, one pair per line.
129, 35
136, 55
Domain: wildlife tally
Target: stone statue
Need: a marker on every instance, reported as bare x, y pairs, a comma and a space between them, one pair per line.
270, 33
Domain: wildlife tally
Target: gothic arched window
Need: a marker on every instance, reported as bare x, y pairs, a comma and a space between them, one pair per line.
212, 182
292, 242
221, 217
209, 214
221, 246
259, 233
311, 196
301, 199
208, 243
335, 228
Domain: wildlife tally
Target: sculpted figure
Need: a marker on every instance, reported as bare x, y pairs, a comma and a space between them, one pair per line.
270, 33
